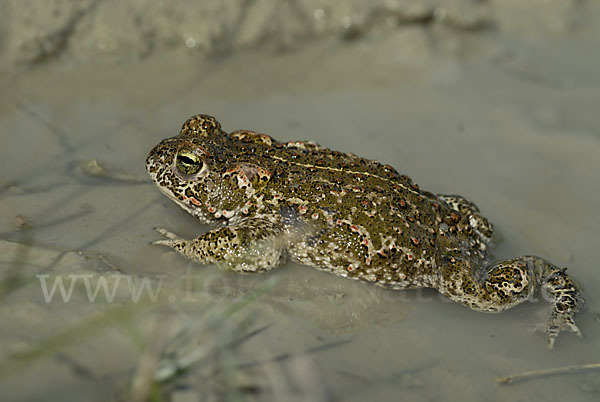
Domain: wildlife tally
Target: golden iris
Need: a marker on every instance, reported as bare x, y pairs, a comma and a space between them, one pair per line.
188, 162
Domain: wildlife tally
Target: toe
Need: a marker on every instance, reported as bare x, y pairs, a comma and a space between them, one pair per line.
168, 243
166, 233
575, 329
556, 325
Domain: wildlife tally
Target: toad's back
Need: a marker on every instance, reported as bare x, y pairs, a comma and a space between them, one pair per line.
366, 221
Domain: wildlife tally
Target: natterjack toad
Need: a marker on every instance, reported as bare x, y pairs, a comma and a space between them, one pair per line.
344, 214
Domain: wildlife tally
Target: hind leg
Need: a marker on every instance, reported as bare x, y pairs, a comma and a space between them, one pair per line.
510, 283
480, 223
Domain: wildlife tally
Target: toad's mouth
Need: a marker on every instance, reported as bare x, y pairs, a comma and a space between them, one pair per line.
196, 211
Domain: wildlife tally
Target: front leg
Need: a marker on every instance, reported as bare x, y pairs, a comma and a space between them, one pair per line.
251, 245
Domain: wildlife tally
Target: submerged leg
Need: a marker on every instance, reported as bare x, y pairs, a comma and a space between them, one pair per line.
566, 301
511, 282
253, 245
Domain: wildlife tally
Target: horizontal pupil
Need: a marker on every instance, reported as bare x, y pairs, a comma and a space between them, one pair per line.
186, 160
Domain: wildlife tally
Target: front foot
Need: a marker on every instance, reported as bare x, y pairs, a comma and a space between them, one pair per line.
252, 245
172, 240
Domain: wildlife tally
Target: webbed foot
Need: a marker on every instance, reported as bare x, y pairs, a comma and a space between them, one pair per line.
557, 324
566, 302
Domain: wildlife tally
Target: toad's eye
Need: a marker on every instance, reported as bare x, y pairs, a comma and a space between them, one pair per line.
188, 162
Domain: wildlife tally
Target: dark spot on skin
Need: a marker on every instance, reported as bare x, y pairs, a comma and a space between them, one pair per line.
454, 216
